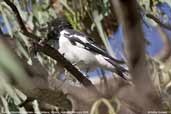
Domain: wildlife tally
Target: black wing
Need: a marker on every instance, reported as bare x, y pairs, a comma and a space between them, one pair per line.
80, 38
88, 43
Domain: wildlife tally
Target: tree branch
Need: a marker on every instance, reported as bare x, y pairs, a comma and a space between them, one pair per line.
34, 81
49, 51
134, 43
167, 26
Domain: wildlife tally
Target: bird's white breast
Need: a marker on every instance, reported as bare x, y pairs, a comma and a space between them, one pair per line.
76, 54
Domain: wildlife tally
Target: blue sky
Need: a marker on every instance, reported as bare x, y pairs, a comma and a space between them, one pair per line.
151, 34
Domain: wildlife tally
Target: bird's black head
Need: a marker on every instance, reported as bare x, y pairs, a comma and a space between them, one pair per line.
56, 26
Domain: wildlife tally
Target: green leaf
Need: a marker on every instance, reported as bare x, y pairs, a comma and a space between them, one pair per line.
10, 64
97, 20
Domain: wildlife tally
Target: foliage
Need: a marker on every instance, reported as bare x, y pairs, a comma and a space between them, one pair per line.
94, 18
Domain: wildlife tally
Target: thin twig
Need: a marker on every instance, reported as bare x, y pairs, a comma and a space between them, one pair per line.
14, 8
167, 26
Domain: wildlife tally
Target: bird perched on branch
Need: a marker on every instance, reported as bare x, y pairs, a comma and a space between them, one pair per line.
80, 50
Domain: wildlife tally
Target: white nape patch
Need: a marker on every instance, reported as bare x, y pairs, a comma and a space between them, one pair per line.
63, 32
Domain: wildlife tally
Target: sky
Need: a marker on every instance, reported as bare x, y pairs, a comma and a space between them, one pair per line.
150, 32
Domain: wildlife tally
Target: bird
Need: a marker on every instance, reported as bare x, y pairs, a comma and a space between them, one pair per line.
81, 50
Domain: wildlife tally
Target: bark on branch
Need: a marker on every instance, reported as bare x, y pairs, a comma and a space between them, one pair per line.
34, 81
167, 26
134, 44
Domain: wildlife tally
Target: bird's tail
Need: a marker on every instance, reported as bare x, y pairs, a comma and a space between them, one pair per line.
111, 65
118, 69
